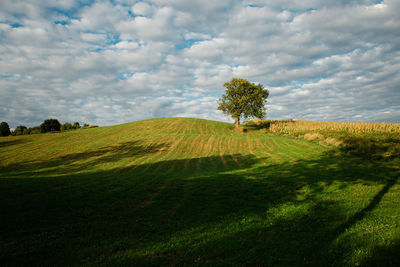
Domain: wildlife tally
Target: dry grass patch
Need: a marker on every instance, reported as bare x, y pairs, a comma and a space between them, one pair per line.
333, 141
313, 136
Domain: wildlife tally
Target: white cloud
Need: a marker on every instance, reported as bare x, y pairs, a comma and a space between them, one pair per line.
142, 9
94, 37
99, 17
127, 45
195, 35
155, 28
110, 62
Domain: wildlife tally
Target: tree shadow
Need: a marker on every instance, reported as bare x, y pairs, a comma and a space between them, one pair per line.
300, 239
12, 142
385, 255
74, 162
375, 147
265, 124
191, 211
371, 206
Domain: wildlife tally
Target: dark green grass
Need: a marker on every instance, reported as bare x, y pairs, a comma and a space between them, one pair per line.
193, 192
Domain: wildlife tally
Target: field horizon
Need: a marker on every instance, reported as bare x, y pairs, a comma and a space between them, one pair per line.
185, 191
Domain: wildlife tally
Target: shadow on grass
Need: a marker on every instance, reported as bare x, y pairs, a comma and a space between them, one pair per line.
264, 124
370, 207
12, 142
200, 211
70, 163
384, 255
376, 147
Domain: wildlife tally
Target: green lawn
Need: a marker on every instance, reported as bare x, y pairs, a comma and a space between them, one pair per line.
193, 192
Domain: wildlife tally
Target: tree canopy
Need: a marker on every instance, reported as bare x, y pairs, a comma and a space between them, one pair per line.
76, 125
4, 129
50, 125
66, 126
243, 99
21, 130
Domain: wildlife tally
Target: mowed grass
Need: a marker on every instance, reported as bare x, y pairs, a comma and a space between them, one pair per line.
193, 192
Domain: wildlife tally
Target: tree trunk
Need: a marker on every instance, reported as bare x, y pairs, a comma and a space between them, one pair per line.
237, 122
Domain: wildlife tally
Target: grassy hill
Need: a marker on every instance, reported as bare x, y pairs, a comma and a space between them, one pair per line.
191, 191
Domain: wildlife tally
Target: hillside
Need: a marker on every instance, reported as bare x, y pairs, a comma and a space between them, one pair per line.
191, 191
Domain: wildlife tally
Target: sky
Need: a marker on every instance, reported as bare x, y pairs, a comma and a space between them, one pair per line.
118, 61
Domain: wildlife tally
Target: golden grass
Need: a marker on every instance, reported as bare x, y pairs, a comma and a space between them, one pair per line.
368, 138
313, 136
350, 127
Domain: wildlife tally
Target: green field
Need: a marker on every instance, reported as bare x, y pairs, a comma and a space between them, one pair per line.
193, 192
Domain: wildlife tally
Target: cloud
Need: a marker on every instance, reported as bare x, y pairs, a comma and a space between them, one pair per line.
142, 9
99, 17
109, 62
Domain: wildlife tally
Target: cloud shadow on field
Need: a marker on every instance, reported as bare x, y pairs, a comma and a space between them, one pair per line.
204, 210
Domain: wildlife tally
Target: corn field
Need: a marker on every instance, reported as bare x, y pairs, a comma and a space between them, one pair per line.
368, 138
291, 127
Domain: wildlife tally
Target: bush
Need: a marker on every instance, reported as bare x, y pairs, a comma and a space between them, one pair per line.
21, 130
76, 125
66, 126
34, 130
50, 125
4, 129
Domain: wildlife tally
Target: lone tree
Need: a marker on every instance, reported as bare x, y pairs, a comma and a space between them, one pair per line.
4, 129
243, 99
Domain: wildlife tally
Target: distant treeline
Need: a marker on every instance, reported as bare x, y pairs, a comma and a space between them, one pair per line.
50, 125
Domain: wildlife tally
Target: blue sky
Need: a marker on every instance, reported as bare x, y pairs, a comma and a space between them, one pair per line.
111, 62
